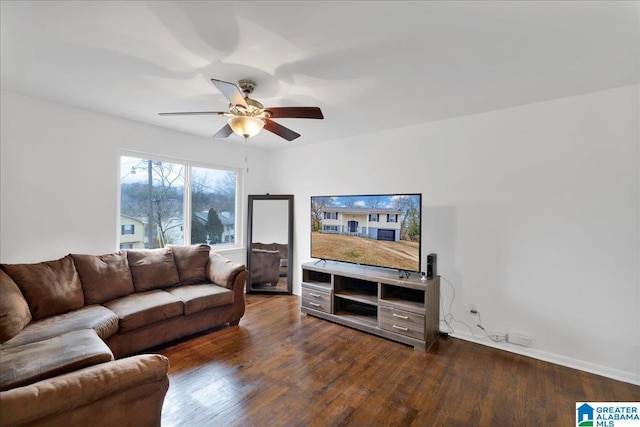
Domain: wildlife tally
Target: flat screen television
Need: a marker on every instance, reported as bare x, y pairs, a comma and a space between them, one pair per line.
381, 230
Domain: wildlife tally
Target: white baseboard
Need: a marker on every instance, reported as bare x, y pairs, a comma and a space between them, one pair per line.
616, 374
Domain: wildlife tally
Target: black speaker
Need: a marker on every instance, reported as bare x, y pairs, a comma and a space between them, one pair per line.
431, 266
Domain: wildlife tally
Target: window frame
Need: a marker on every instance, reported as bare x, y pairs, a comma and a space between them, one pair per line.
186, 208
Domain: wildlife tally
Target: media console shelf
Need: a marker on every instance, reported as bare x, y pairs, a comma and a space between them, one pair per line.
373, 300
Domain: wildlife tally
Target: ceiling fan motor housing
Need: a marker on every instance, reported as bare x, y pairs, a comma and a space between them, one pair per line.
255, 109
246, 86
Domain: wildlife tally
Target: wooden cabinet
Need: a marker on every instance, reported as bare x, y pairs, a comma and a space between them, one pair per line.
373, 300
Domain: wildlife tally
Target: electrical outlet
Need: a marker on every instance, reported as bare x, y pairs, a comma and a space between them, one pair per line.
473, 309
520, 339
498, 336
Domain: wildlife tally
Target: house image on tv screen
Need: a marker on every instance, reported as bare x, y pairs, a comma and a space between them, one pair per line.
373, 223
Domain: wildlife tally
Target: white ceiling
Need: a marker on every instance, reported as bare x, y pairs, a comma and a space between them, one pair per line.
370, 66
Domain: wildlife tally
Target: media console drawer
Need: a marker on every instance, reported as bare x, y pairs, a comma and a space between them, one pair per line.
317, 300
401, 322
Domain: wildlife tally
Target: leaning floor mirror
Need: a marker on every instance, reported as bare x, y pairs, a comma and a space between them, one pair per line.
270, 243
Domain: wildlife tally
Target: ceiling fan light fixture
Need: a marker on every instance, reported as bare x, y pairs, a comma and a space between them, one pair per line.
246, 126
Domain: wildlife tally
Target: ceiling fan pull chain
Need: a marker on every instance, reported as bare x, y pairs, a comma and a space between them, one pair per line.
246, 154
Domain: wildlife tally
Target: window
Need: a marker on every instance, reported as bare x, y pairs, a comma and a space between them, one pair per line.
392, 217
331, 215
127, 229
373, 217
213, 206
176, 202
330, 228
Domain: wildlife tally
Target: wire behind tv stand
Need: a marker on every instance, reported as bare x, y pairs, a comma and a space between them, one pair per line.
373, 300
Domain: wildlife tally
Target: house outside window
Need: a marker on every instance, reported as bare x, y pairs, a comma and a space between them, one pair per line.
177, 202
373, 217
132, 232
392, 218
331, 215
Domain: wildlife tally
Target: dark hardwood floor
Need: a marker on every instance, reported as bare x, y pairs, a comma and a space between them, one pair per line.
279, 368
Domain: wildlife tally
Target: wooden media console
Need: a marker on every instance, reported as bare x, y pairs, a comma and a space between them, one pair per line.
373, 300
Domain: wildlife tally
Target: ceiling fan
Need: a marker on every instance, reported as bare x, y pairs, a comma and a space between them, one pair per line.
247, 116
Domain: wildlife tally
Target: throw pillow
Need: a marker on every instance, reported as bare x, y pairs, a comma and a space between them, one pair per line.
14, 311
152, 269
50, 287
191, 262
104, 277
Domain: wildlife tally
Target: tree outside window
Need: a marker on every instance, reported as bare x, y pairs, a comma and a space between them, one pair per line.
155, 193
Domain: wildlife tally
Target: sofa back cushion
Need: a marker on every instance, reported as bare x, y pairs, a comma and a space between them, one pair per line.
104, 277
191, 262
152, 269
282, 248
14, 311
50, 287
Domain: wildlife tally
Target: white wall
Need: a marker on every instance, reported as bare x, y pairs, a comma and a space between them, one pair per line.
59, 176
533, 212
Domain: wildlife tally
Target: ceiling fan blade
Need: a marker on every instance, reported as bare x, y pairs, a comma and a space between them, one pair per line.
224, 132
280, 130
187, 113
231, 92
295, 112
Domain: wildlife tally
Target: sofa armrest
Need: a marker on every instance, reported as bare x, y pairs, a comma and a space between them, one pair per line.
238, 295
222, 271
265, 266
128, 391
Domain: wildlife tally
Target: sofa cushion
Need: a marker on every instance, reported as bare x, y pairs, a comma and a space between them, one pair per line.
104, 277
222, 271
102, 320
114, 394
191, 262
202, 297
144, 308
14, 311
68, 352
50, 287
152, 269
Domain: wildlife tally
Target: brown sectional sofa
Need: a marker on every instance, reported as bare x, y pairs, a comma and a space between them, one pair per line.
66, 326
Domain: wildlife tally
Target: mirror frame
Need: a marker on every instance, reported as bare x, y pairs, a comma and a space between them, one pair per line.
289, 199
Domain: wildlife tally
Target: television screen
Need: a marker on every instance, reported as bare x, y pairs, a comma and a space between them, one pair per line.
381, 230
